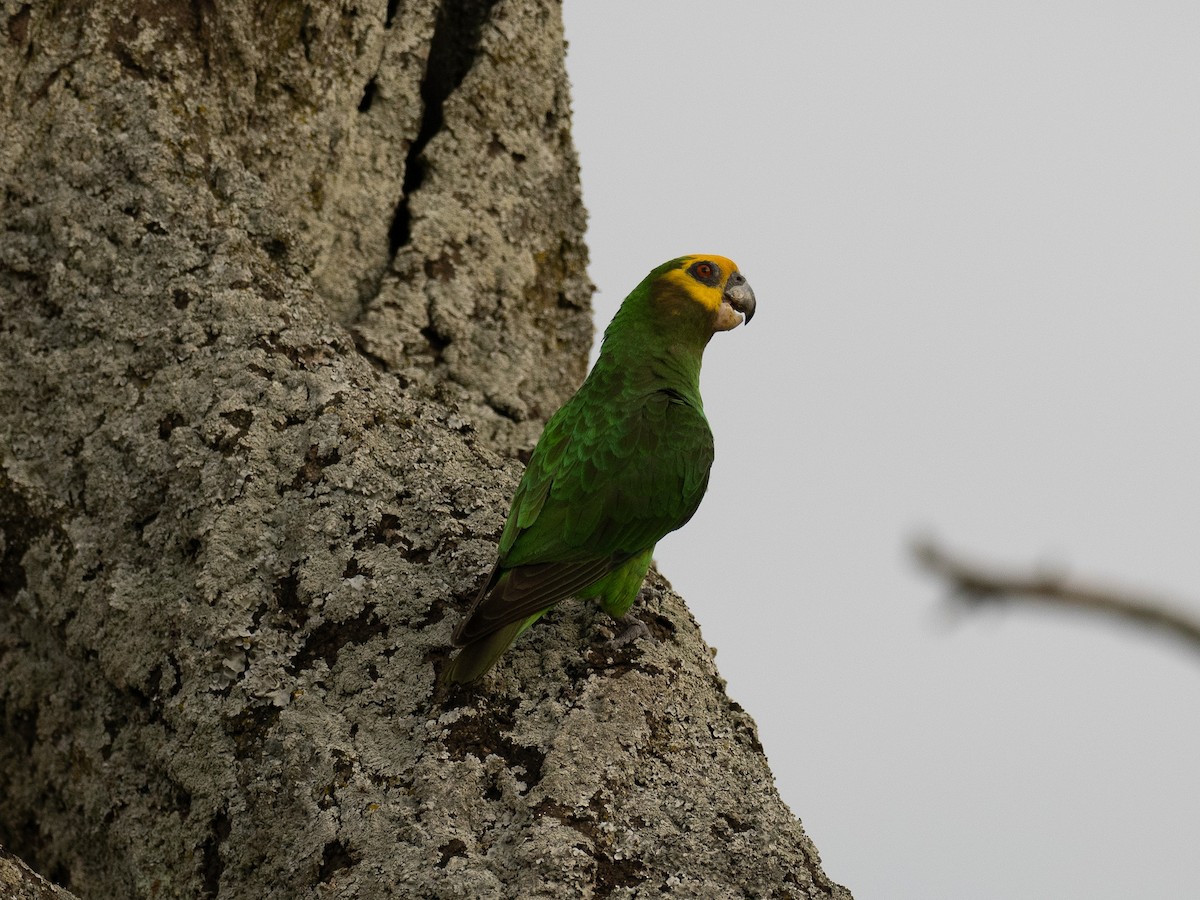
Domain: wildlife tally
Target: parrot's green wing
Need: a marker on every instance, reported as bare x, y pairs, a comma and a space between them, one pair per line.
605, 483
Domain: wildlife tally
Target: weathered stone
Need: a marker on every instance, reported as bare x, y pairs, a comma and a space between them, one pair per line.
19, 882
284, 288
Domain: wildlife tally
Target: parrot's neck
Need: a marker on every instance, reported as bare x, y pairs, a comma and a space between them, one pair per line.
644, 358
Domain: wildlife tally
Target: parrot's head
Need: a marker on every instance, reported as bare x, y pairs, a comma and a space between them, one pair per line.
705, 286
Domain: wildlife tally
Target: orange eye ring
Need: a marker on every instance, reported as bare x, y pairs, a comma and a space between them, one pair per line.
706, 272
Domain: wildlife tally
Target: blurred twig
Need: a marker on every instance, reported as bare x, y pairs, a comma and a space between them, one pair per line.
975, 583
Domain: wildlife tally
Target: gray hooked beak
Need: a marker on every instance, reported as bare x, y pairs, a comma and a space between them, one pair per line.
740, 295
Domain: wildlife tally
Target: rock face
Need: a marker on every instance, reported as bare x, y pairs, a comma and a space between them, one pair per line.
285, 291
19, 882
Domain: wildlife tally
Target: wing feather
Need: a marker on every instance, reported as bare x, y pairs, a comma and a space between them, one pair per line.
603, 485
523, 591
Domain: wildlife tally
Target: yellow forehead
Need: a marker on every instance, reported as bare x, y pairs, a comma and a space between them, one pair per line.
708, 296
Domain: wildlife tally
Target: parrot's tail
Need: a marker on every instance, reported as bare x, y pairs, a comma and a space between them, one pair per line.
479, 656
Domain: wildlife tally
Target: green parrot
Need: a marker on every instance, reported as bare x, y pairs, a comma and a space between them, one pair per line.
624, 462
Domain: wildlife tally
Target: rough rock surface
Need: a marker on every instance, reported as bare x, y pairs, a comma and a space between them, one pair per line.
19, 882
284, 290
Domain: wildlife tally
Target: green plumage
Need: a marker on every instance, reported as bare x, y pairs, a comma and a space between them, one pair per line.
622, 463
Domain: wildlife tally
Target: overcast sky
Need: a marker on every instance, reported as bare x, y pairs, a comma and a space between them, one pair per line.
974, 233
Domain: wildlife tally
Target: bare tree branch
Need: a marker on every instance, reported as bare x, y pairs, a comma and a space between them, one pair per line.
977, 584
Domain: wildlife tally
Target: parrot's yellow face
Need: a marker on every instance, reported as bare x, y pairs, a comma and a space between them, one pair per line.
714, 283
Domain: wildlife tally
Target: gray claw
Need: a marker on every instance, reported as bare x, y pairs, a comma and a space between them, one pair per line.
635, 628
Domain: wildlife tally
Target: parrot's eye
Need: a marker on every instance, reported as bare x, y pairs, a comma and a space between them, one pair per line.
705, 272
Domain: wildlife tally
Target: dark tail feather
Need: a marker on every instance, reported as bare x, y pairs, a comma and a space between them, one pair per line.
479, 656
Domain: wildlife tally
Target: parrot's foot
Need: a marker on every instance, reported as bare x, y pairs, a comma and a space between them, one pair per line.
635, 628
